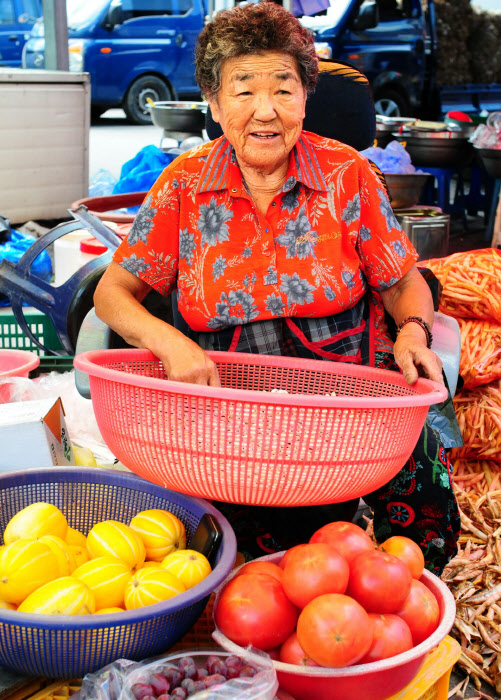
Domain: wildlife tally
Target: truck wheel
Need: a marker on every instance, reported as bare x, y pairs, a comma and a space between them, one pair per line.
144, 88
391, 103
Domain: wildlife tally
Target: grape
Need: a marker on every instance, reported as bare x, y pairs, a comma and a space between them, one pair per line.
188, 684
173, 676
159, 683
179, 694
211, 660
198, 686
164, 696
142, 690
247, 671
202, 673
233, 666
215, 679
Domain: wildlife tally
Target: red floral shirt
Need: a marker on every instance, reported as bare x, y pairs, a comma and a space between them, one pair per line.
328, 235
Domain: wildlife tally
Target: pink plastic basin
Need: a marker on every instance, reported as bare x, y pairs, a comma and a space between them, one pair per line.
17, 363
375, 681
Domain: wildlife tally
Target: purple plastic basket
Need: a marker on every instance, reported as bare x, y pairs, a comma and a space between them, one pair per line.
70, 647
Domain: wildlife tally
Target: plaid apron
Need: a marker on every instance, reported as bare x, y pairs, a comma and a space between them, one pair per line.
418, 502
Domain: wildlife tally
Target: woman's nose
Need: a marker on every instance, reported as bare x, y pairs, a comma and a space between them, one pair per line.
264, 108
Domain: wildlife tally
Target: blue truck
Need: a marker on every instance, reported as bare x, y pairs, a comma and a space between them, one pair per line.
17, 18
141, 50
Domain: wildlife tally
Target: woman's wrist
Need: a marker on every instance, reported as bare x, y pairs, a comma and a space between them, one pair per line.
417, 321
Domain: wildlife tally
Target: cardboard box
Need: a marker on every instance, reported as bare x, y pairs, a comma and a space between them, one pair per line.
33, 434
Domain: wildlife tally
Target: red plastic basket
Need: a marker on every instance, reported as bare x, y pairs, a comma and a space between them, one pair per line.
17, 363
378, 680
241, 443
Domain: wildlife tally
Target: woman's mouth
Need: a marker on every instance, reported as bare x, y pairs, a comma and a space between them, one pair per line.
265, 136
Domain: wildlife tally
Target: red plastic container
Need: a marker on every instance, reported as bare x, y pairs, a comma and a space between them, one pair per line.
241, 443
17, 363
376, 681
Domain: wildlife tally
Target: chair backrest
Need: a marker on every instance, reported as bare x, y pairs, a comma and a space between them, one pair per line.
341, 107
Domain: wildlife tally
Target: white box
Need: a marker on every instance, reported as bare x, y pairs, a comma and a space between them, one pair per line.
33, 434
44, 142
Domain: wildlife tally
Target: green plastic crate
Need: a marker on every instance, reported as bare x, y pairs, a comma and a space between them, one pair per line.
12, 336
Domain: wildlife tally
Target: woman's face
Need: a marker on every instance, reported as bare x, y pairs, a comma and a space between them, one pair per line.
260, 107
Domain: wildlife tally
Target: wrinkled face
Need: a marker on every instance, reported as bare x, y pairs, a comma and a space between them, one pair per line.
260, 107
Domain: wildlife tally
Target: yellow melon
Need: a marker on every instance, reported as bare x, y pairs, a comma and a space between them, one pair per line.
34, 521
7, 606
25, 565
111, 538
65, 558
80, 554
109, 611
106, 577
161, 532
189, 566
75, 537
149, 586
151, 565
64, 596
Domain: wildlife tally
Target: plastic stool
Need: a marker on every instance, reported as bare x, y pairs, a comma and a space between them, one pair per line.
441, 191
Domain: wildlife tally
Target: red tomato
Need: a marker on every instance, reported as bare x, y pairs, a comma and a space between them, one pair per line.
392, 636
349, 539
262, 567
420, 611
283, 560
334, 630
313, 570
291, 652
379, 582
253, 609
407, 551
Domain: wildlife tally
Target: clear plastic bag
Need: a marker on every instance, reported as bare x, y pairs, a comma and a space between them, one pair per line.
126, 680
79, 412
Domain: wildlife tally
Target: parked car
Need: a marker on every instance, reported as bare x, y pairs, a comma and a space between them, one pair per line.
17, 18
134, 50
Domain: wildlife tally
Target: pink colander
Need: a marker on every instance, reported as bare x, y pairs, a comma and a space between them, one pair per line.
340, 431
17, 363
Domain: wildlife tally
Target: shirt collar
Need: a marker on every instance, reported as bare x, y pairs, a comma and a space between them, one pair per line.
303, 167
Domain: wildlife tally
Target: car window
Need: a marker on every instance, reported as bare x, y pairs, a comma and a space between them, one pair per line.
32, 9
148, 8
397, 9
7, 15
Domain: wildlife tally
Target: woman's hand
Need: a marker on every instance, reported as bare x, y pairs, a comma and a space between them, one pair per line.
414, 358
118, 303
184, 360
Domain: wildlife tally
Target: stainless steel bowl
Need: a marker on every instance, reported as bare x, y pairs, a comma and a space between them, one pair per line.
186, 117
405, 188
491, 160
437, 149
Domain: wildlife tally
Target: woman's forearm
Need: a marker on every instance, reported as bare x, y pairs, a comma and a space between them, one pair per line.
411, 296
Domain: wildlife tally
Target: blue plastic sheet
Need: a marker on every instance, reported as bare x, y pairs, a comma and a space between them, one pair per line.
140, 172
15, 247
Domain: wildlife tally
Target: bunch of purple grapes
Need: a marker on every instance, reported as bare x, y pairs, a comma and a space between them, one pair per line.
181, 681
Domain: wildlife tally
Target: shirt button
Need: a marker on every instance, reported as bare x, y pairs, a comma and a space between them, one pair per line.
234, 189
266, 230
273, 204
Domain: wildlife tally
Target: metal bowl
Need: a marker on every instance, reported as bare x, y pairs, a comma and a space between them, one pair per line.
186, 117
437, 149
405, 188
491, 160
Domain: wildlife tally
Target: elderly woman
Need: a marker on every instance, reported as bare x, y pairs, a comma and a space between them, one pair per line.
280, 241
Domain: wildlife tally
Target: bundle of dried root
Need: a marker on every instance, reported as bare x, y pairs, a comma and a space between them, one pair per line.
474, 577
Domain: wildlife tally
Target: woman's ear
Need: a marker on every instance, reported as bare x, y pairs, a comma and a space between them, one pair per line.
214, 109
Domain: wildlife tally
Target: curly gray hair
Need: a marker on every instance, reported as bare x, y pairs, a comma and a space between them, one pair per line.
252, 28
